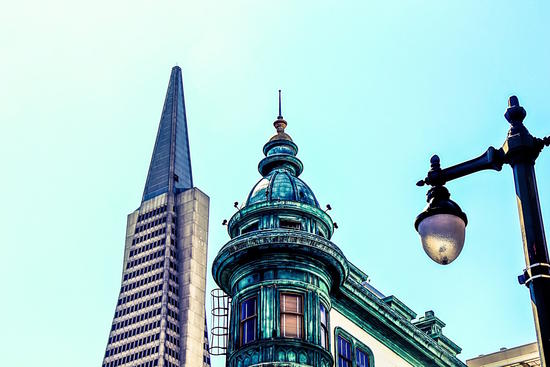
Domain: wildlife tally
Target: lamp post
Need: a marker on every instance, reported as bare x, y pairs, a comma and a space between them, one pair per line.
442, 224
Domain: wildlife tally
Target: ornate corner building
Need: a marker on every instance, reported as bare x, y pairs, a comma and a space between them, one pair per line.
295, 298
160, 314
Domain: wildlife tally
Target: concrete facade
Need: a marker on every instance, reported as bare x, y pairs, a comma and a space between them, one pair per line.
523, 356
164, 278
192, 246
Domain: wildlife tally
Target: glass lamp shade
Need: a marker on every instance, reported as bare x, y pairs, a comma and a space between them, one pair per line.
442, 237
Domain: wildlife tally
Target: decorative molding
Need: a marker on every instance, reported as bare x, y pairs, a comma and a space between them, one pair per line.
294, 242
407, 340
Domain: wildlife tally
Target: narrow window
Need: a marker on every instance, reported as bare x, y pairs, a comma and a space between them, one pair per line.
344, 352
324, 326
361, 358
292, 315
250, 228
290, 224
248, 320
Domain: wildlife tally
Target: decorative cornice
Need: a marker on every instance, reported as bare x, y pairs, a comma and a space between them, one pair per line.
269, 163
281, 343
403, 328
279, 240
262, 207
396, 305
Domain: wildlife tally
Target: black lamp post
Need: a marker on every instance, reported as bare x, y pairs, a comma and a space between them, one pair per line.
442, 224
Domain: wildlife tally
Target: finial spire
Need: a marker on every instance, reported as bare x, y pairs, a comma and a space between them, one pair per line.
280, 117
280, 123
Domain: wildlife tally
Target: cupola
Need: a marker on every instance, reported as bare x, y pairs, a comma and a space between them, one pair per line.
280, 170
280, 258
280, 199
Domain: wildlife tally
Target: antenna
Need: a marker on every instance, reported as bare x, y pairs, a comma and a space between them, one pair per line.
280, 114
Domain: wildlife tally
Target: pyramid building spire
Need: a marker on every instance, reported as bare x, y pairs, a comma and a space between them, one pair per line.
160, 316
170, 167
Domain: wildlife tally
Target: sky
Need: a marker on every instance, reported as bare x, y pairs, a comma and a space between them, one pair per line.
371, 89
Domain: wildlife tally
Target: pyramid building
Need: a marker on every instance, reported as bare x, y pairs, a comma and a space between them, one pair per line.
160, 316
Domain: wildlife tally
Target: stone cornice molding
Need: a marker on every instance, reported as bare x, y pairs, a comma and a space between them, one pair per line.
262, 207
280, 240
375, 306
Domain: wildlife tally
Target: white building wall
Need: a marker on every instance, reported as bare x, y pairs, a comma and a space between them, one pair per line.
383, 356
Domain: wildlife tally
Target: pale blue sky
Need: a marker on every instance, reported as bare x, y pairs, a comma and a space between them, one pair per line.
371, 90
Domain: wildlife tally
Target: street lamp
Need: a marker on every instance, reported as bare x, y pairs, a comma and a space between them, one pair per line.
442, 224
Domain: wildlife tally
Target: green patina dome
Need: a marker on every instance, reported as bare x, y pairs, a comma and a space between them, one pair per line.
280, 170
280, 195
281, 185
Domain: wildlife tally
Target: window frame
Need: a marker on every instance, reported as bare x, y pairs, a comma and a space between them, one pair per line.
355, 345
348, 362
242, 321
321, 231
324, 329
358, 350
291, 223
250, 227
299, 314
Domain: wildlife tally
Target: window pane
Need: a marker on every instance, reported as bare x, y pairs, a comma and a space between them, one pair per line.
291, 326
249, 330
291, 303
362, 358
323, 315
248, 320
291, 315
344, 352
324, 326
324, 342
343, 362
248, 308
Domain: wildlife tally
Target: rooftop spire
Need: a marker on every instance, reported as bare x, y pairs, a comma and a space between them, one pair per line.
170, 168
280, 117
280, 123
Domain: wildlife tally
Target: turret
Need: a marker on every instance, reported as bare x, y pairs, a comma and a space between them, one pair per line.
280, 266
